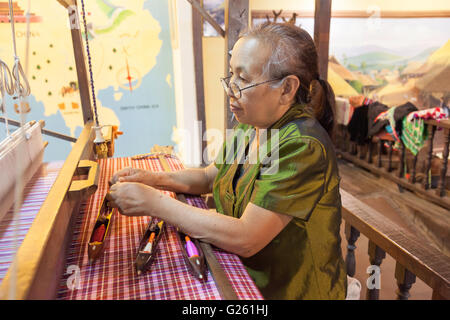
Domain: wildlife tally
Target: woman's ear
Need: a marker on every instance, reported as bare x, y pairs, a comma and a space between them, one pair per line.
289, 89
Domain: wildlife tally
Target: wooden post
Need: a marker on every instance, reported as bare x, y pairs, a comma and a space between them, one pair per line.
236, 20
426, 184
198, 7
442, 183
370, 152
376, 256
83, 82
197, 35
352, 235
401, 168
391, 146
322, 17
405, 280
380, 149
413, 175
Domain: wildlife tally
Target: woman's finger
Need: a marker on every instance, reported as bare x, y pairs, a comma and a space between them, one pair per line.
121, 173
110, 197
131, 178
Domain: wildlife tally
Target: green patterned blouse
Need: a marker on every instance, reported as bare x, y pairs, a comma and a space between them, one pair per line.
299, 177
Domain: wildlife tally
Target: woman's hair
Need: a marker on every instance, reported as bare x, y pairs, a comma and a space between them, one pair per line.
294, 53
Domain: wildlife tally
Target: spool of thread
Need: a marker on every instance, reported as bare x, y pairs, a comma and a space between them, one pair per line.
98, 234
149, 245
191, 249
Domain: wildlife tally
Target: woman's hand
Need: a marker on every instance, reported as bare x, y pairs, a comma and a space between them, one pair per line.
133, 199
133, 175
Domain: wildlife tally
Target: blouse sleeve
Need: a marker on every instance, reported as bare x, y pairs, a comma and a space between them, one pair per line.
296, 184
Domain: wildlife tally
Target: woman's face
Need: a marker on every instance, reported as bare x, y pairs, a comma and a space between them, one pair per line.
258, 106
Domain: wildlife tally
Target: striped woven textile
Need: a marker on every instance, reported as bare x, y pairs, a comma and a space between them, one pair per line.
113, 275
13, 232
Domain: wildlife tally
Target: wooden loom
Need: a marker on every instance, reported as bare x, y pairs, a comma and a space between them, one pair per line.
23, 151
38, 266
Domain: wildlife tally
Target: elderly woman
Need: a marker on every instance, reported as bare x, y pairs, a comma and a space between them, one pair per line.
284, 224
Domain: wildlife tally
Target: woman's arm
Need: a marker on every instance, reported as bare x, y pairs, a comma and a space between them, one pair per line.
244, 236
190, 181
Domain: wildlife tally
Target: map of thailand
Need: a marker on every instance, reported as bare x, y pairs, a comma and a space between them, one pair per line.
132, 67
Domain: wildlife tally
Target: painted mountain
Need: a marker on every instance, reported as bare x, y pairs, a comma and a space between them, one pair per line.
385, 59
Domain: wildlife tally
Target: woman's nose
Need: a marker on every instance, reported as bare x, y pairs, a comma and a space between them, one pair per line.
229, 92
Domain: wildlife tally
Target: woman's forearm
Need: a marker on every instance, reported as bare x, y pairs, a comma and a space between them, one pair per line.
220, 230
189, 181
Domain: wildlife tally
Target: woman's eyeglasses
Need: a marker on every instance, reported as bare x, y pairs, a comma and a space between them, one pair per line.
234, 88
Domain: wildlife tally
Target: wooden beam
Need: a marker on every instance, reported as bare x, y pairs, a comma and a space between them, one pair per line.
44, 131
207, 17
236, 20
418, 190
261, 14
197, 32
67, 3
423, 260
39, 262
322, 17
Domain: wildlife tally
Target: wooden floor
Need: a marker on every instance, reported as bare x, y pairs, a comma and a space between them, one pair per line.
405, 209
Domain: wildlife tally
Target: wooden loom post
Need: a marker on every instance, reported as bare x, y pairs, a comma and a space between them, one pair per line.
236, 20
197, 35
322, 17
40, 258
78, 50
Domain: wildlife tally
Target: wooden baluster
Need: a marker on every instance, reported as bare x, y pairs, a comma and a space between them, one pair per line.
338, 137
413, 174
376, 256
442, 183
346, 140
342, 134
370, 152
362, 151
354, 148
405, 280
391, 143
351, 234
401, 169
380, 148
437, 296
426, 184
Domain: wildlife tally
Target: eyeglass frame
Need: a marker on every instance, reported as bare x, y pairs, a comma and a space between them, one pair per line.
227, 86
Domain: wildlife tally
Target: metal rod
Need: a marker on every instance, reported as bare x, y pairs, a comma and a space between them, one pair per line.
44, 131
207, 17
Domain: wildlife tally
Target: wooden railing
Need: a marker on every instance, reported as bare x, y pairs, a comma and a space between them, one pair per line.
414, 257
401, 166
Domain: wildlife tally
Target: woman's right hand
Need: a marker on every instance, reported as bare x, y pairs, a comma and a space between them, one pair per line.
133, 175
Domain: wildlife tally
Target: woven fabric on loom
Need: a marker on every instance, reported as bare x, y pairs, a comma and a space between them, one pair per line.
34, 195
113, 275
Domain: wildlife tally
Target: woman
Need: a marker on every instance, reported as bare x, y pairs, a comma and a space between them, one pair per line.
284, 224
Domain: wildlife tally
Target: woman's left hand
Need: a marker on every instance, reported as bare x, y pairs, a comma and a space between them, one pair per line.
132, 198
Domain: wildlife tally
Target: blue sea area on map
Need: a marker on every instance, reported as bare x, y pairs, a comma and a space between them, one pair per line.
148, 113
57, 149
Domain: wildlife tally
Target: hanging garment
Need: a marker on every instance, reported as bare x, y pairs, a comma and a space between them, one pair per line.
374, 126
393, 117
414, 133
437, 113
357, 126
